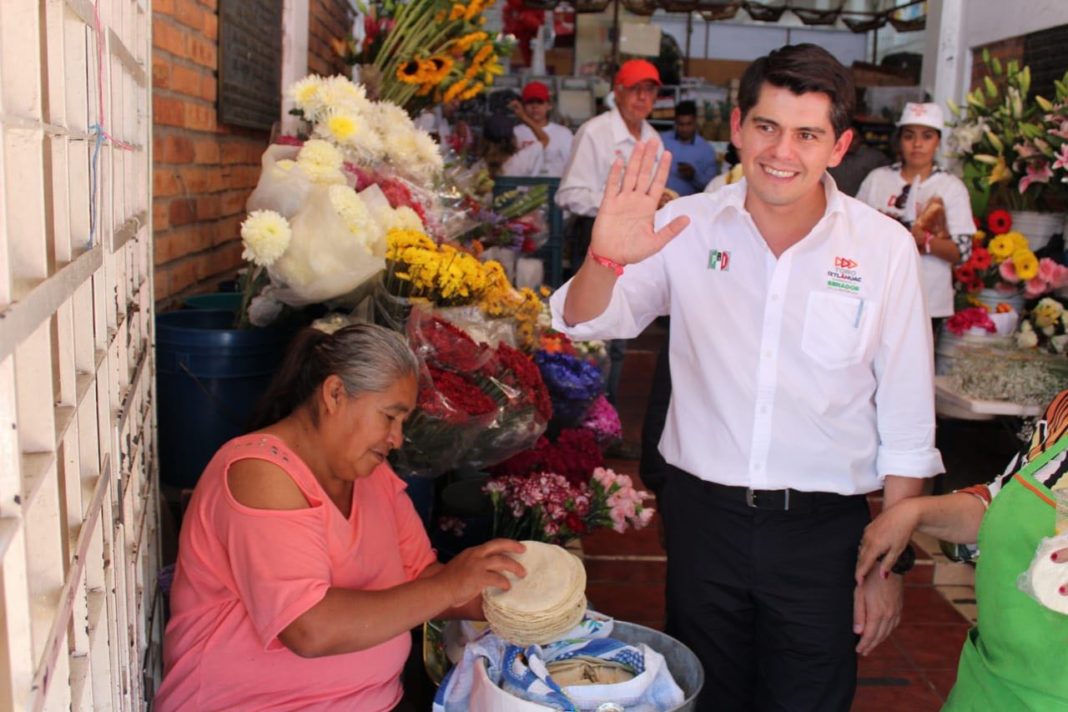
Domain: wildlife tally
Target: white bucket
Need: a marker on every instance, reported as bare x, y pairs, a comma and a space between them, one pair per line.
1037, 227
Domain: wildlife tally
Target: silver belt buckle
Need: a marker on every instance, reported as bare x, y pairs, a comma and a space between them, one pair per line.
750, 499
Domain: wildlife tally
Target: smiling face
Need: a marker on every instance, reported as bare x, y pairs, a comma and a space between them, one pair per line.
786, 142
360, 431
918, 146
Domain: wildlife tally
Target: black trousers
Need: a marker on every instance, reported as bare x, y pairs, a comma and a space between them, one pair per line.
764, 598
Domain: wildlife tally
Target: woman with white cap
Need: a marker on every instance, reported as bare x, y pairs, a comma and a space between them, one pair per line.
932, 203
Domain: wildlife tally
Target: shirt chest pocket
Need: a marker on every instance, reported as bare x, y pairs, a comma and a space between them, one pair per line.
837, 328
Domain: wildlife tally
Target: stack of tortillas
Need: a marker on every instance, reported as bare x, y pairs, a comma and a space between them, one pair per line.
541, 607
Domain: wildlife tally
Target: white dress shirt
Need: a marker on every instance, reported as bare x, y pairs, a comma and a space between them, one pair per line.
598, 143
812, 371
881, 189
533, 159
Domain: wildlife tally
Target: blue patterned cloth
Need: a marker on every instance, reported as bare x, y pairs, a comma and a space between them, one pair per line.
523, 672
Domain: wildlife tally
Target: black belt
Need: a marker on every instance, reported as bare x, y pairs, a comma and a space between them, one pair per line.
778, 500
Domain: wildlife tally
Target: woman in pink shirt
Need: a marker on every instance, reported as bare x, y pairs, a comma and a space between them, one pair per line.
302, 565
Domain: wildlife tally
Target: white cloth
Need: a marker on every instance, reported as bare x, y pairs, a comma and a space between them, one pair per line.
598, 143
812, 371
543, 160
880, 190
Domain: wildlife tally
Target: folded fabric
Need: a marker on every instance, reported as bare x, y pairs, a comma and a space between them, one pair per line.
523, 673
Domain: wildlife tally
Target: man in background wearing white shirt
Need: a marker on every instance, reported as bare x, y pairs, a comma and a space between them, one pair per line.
548, 142
600, 141
801, 359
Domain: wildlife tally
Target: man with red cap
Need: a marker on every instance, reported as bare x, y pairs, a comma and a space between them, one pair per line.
542, 147
598, 143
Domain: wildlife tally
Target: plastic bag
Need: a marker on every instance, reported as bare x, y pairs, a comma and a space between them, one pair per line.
325, 260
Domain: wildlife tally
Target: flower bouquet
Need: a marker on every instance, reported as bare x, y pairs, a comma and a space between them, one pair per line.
422, 53
478, 405
1046, 328
1002, 144
573, 382
1006, 263
602, 419
548, 507
573, 455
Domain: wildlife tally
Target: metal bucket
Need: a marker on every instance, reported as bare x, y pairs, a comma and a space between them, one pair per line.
681, 661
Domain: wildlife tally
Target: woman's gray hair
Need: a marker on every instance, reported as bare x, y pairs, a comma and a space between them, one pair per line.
367, 359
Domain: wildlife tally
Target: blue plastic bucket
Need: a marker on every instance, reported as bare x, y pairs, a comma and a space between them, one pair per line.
209, 378
230, 301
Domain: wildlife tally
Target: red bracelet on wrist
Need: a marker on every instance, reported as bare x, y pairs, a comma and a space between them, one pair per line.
605, 262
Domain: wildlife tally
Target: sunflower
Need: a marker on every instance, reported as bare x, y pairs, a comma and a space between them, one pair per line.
414, 71
442, 66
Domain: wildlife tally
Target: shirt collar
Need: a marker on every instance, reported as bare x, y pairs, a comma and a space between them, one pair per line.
620, 133
733, 196
897, 167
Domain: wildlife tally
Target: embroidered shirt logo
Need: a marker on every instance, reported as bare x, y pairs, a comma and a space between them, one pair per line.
719, 260
844, 276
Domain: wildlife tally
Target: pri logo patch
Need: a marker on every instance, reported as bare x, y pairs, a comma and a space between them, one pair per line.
844, 263
719, 260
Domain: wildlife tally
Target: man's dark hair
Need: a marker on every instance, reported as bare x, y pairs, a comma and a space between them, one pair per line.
802, 68
686, 108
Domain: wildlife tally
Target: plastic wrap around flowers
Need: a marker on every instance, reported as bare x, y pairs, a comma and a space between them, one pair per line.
477, 405
573, 384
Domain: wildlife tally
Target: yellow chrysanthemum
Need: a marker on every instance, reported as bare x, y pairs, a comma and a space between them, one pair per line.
464, 43
1047, 312
1026, 264
457, 12
455, 90
472, 92
1001, 247
473, 10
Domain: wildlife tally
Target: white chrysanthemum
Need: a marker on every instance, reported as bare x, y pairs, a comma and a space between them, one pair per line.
352, 132
355, 215
307, 95
404, 218
427, 151
266, 236
321, 162
338, 92
389, 118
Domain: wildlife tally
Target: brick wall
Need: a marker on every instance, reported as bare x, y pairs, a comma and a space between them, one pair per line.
204, 171
1005, 51
327, 20
1044, 54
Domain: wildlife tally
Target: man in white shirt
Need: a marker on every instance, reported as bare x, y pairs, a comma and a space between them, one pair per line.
542, 147
801, 359
600, 141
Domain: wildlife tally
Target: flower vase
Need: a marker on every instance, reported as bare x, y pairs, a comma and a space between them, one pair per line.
1037, 227
992, 298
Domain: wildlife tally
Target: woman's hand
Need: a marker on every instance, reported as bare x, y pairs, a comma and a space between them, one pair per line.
623, 231
886, 537
478, 568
